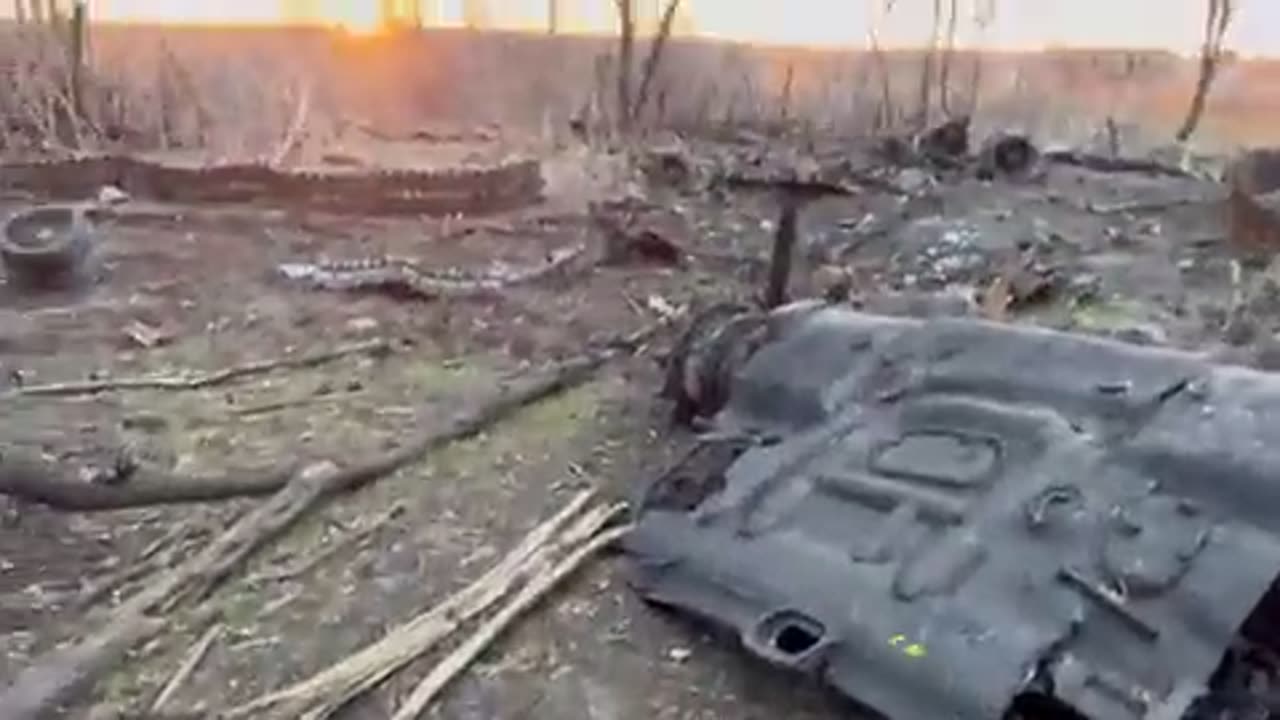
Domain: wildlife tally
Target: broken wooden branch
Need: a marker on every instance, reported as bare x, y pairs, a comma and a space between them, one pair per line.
305, 491
1211, 55
279, 405
323, 693
539, 586
153, 559
188, 666
1149, 206
292, 136
198, 576
1102, 163
651, 63
203, 380
65, 672
306, 564
34, 479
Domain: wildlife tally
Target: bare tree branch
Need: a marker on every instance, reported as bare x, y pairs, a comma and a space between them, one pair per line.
885, 114
926, 72
626, 55
948, 55
984, 14
1217, 20
655, 56
36, 480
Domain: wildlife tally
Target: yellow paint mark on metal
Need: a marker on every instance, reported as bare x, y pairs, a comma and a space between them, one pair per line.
913, 650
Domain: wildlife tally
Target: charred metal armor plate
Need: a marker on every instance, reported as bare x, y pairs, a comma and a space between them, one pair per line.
957, 519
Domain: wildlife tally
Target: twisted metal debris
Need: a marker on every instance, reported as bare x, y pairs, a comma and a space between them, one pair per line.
404, 275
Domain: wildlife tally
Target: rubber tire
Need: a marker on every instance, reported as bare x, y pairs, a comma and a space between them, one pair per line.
58, 263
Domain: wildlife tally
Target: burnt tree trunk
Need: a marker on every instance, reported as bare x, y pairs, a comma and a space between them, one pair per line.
626, 54
1216, 22
886, 114
926, 72
948, 56
654, 59
784, 243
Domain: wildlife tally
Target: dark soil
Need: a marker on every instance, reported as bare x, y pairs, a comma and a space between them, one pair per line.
202, 279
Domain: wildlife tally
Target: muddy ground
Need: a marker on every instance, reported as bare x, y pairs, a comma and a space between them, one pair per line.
1076, 252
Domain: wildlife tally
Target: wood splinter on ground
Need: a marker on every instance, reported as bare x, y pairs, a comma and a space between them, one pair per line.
324, 693
189, 664
203, 380
39, 480
153, 559
308, 563
539, 587
36, 479
65, 674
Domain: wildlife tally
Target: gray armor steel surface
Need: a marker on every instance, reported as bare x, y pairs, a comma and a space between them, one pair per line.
956, 519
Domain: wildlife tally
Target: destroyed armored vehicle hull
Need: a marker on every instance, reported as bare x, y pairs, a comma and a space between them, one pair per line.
957, 519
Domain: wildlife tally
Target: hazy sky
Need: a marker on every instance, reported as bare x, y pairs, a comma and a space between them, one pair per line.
1019, 23
1174, 24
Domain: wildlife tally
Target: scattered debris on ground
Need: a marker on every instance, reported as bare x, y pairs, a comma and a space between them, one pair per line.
222, 491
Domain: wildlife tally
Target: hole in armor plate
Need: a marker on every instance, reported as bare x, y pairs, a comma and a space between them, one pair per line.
791, 634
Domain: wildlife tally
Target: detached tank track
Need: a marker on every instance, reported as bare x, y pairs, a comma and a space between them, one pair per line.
405, 276
472, 191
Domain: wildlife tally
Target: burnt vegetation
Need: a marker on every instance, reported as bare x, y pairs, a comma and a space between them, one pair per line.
327, 355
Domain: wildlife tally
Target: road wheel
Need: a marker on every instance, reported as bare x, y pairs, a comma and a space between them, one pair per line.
47, 247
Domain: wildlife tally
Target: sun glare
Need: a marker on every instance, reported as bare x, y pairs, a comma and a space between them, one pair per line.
1022, 25
359, 18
